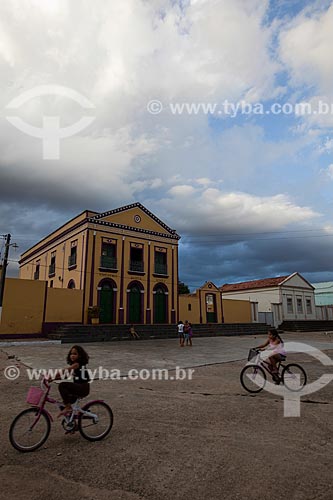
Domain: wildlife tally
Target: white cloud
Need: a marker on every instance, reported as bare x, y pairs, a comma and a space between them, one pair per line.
327, 146
122, 53
306, 49
328, 229
330, 171
210, 210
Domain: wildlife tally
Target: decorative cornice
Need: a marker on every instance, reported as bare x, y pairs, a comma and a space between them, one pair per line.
173, 236
45, 243
144, 209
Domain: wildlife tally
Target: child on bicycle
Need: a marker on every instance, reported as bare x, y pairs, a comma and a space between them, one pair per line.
77, 360
275, 344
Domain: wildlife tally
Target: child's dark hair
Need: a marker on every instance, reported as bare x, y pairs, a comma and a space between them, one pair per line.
274, 333
83, 356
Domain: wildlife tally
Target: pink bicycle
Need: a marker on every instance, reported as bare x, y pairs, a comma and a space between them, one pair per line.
31, 428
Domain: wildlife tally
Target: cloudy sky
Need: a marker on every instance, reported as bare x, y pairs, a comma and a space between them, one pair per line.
195, 111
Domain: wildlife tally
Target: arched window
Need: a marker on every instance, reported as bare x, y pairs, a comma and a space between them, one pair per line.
71, 284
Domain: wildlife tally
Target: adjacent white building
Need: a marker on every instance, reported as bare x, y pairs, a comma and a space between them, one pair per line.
278, 299
324, 293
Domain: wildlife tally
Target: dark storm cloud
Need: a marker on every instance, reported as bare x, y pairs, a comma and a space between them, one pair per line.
233, 262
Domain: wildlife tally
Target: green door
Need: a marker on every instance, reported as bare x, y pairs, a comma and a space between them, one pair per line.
160, 307
106, 304
135, 305
210, 308
211, 317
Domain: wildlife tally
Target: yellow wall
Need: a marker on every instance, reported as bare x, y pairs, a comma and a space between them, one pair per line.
62, 249
23, 306
193, 316
24, 302
234, 311
47, 241
237, 311
64, 305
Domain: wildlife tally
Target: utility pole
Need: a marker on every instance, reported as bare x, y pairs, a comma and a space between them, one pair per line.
3, 271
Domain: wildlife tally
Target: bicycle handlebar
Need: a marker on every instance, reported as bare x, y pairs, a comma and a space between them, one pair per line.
45, 381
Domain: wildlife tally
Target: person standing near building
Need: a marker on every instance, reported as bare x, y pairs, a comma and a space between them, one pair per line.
134, 333
186, 332
180, 327
190, 334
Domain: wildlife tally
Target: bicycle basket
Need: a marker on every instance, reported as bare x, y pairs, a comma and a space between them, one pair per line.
34, 395
252, 354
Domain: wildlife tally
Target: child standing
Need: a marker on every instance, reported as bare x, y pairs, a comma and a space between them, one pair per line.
180, 328
190, 334
187, 330
77, 360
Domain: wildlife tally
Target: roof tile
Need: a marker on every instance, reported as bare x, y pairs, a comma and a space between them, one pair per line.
248, 285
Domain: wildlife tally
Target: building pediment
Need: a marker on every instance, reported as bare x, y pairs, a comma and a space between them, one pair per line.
208, 286
135, 217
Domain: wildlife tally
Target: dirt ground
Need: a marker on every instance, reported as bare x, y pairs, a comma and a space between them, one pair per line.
201, 439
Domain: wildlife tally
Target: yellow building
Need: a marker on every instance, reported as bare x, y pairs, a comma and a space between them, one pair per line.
125, 261
205, 305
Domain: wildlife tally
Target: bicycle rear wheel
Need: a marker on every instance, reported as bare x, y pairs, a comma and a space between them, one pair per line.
294, 377
29, 430
253, 378
98, 423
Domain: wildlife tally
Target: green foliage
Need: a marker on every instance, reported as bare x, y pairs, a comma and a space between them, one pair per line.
182, 288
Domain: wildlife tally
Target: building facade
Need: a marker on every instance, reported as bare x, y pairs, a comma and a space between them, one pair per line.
323, 293
205, 305
282, 298
125, 261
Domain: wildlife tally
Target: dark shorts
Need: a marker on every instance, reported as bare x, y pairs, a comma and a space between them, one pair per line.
70, 391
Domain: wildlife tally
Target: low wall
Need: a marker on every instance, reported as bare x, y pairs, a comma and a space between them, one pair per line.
23, 306
27, 304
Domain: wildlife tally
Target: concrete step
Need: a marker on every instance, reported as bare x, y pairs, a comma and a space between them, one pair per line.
71, 333
309, 326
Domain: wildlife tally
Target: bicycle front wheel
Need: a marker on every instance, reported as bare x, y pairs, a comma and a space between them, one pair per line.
97, 422
294, 377
253, 378
29, 430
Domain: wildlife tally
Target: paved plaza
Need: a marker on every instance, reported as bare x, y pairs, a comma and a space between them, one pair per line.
149, 354
202, 438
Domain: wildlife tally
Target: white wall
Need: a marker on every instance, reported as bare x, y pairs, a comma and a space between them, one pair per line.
269, 298
294, 294
264, 296
324, 313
